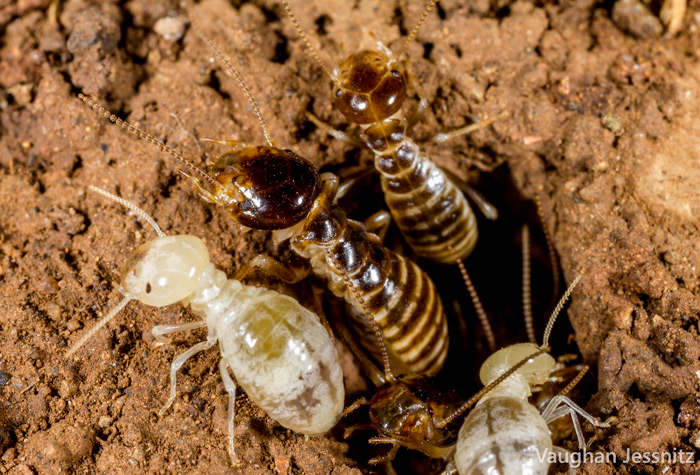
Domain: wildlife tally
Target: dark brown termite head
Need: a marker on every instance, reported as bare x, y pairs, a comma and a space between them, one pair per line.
265, 187
369, 88
408, 411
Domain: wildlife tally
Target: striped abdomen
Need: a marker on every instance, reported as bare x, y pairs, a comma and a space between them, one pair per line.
430, 211
400, 296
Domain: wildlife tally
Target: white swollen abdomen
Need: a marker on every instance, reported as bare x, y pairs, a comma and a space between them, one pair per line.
503, 436
285, 360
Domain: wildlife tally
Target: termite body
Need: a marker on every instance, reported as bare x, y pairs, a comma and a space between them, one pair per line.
369, 89
506, 435
279, 351
268, 188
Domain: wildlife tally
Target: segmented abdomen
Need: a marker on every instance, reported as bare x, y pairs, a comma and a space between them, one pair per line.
430, 211
400, 296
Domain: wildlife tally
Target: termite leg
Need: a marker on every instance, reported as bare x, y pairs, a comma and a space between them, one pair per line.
273, 268
160, 330
389, 456
487, 209
560, 406
378, 224
351, 182
236, 144
444, 136
177, 364
198, 188
335, 133
363, 401
231, 390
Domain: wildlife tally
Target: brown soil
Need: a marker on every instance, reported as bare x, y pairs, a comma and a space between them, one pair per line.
603, 128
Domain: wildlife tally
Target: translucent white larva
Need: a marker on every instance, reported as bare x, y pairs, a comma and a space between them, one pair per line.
278, 350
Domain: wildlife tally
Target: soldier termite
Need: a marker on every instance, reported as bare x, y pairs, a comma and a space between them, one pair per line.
264, 187
369, 88
279, 351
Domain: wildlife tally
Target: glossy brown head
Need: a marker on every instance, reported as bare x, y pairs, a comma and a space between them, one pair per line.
265, 187
408, 409
368, 90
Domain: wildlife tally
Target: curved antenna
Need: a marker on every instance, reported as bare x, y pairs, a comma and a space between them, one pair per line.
575, 381
149, 138
239, 80
307, 41
414, 31
550, 249
375, 327
557, 309
527, 299
475, 398
480, 312
141, 213
103, 321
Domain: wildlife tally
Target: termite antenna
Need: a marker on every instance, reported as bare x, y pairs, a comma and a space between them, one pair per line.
478, 307
574, 381
550, 249
148, 138
120, 306
375, 327
475, 398
414, 31
239, 80
141, 213
527, 300
103, 321
557, 309
307, 41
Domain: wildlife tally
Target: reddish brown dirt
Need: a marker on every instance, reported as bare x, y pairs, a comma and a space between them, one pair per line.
603, 127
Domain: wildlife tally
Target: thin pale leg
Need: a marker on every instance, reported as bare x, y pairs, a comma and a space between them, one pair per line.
177, 364
444, 136
160, 330
198, 188
378, 224
272, 268
235, 144
560, 406
231, 390
335, 133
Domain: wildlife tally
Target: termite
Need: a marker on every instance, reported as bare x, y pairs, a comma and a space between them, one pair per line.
263, 187
369, 89
280, 353
506, 435
503, 434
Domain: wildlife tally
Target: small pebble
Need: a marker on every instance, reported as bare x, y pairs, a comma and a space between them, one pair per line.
170, 28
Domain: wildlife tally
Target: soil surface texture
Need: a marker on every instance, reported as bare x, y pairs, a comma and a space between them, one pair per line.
603, 129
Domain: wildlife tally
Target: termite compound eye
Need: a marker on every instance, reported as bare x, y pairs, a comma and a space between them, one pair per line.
338, 93
395, 73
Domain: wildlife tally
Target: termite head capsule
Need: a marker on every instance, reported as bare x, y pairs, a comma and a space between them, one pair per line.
408, 410
267, 188
535, 372
165, 270
368, 89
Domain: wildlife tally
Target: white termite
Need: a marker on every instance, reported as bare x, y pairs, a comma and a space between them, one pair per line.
504, 434
279, 351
